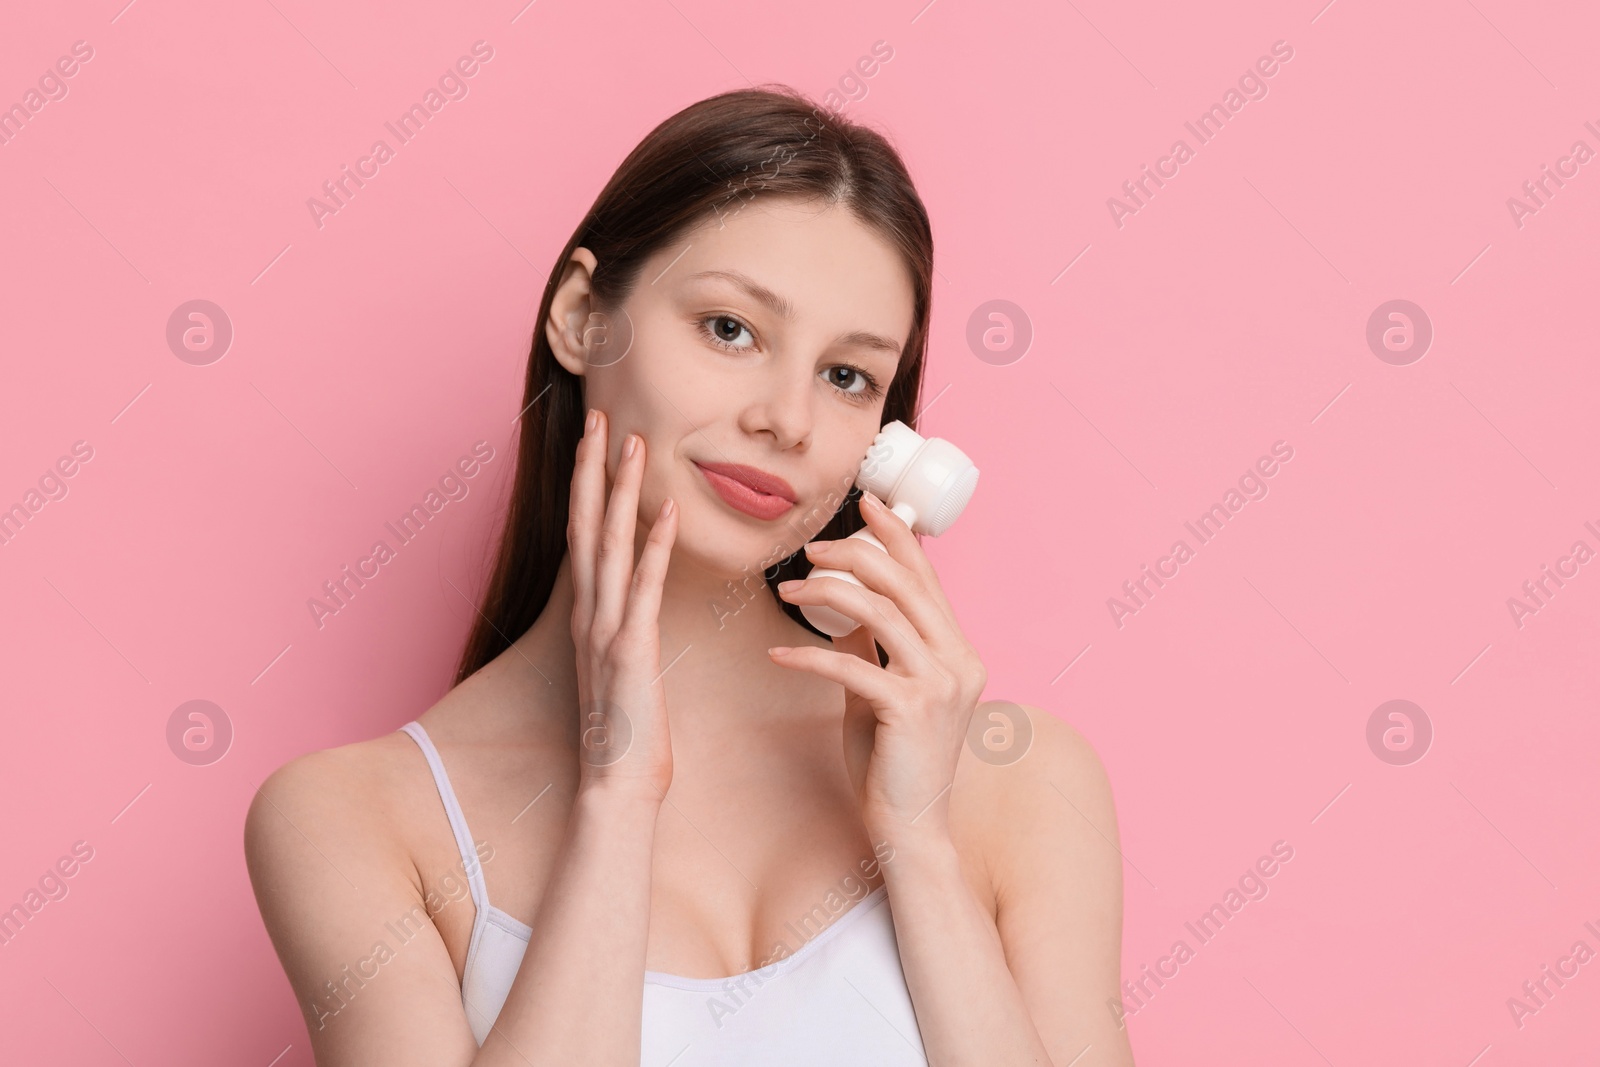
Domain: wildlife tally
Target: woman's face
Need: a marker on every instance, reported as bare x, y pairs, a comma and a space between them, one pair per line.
766, 340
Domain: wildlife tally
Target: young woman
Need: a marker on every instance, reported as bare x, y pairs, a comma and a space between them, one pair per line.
660, 819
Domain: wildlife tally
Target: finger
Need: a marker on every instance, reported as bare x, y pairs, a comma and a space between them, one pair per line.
874, 611
884, 574
585, 507
614, 557
900, 541
859, 642
642, 615
854, 673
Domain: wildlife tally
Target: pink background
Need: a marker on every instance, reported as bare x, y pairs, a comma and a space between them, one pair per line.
1230, 312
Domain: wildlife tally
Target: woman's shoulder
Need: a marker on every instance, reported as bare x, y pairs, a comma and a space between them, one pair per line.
337, 843
378, 799
1013, 749
363, 799
1025, 780
350, 800
346, 779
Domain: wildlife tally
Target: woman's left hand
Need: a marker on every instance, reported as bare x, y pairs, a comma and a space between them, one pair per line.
904, 724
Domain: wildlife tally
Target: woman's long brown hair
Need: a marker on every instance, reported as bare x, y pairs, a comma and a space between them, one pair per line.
704, 162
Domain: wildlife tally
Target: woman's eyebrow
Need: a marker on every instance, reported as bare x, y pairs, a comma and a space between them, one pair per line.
784, 309
871, 340
753, 288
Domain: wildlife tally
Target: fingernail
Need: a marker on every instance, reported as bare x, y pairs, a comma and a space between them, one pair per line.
777, 650
793, 583
589, 421
871, 499
629, 445
666, 507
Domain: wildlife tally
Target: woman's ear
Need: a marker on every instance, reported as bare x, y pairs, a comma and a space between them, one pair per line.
567, 328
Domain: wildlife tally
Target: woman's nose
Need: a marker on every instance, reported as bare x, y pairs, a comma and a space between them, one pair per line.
785, 411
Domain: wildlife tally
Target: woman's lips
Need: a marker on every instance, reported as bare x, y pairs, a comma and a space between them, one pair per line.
733, 484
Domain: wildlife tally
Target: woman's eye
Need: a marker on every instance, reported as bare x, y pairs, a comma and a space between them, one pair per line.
841, 377
725, 330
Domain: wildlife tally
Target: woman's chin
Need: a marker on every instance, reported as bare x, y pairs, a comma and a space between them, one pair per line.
733, 557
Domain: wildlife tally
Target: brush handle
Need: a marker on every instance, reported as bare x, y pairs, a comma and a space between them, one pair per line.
830, 621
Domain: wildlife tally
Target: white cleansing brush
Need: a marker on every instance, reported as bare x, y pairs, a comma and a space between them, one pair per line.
927, 481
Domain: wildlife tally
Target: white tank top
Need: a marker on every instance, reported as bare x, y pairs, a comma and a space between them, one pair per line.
839, 999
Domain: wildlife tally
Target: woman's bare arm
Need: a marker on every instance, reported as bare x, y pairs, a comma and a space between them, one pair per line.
580, 992
1030, 983
330, 876
347, 914
1034, 985
370, 970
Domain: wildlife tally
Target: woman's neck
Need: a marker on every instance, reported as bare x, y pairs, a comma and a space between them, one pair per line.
713, 647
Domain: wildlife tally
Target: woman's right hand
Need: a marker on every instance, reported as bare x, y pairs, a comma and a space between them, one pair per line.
623, 739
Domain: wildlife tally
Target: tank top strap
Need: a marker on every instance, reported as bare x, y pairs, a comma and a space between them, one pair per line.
452, 810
